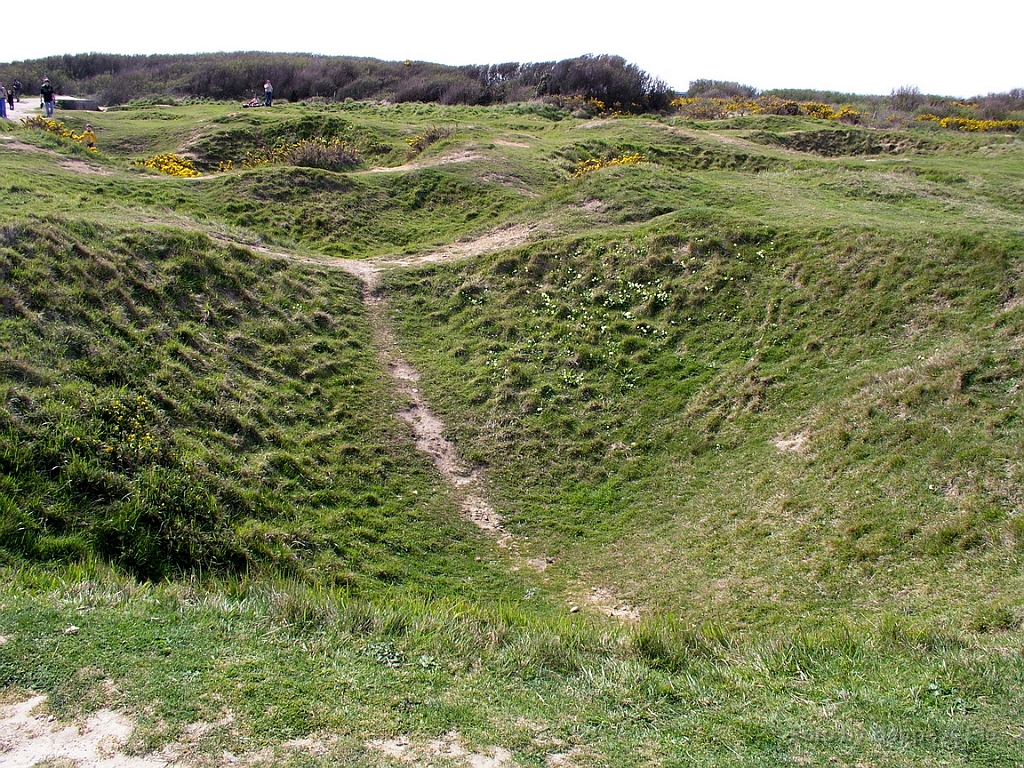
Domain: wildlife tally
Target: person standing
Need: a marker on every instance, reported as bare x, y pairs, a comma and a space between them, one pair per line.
47, 94
11, 93
268, 93
89, 137
17, 89
3, 102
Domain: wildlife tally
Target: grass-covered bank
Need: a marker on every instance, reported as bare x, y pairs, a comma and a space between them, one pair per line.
314, 678
174, 405
759, 427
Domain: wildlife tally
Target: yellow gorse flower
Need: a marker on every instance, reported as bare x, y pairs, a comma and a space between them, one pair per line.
170, 164
317, 152
56, 127
718, 108
595, 164
973, 125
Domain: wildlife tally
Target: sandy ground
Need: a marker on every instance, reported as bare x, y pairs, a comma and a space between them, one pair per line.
29, 737
27, 107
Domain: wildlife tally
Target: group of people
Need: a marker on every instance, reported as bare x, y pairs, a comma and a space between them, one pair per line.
48, 98
268, 97
8, 96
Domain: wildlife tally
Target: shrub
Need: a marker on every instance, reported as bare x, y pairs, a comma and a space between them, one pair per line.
720, 89
704, 109
56, 127
170, 164
973, 125
431, 135
611, 80
772, 105
332, 155
589, 165
1000, 106
906, 98
329, 154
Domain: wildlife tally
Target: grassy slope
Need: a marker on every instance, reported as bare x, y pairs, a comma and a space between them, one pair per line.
856, 598
858, 306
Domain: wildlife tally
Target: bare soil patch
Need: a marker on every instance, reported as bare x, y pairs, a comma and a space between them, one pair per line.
80, 166
605, 601
448, 748
12, 143
797, 443
30, 737
591, 205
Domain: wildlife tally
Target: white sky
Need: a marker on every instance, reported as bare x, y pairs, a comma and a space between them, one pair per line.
867, 46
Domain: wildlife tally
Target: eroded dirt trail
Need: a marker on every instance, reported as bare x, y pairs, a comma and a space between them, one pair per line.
428, 429
30, 737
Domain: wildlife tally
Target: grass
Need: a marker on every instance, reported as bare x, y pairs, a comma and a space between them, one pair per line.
763, 387
289, 663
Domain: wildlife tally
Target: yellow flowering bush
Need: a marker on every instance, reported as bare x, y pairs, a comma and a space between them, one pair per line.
847, 114
818, 110
435, 133
973, 125
170, 164
584, 167
56, 127
717, 108
772, 105
705, 109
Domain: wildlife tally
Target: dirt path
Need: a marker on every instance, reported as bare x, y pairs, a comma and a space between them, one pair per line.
428, 429
27, 107
30, 737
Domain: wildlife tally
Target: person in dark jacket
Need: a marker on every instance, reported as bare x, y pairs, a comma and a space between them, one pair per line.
47, 94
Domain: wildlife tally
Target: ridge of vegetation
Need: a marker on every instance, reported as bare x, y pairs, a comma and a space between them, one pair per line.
747, 398
117, 79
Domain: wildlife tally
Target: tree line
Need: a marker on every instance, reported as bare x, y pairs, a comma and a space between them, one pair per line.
117, 79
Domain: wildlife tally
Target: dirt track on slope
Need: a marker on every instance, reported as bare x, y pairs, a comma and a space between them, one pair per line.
429, 431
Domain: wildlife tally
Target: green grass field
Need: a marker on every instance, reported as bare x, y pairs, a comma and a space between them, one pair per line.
750, 405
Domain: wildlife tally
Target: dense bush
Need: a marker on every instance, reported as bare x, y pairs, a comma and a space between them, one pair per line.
906, 98
608, 79
1002, 106
719, 89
